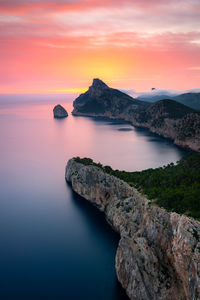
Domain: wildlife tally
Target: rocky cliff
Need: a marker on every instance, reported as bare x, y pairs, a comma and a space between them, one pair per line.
101, 100
167, 118
158, 256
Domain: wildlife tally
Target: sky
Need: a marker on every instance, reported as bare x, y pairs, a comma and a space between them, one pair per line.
60, 46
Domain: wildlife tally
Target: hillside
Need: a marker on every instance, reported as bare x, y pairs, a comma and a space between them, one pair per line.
191, 100
172, 120
165, 109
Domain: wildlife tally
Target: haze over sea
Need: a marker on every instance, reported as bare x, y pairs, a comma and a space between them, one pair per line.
55, 245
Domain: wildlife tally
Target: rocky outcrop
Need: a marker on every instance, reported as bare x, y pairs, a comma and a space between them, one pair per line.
59, 112
158, 257
167, 118
101, 100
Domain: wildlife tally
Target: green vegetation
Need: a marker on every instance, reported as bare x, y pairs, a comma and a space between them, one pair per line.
174, 187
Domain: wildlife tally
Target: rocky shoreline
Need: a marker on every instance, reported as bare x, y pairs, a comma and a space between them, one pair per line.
158, 256
166, 118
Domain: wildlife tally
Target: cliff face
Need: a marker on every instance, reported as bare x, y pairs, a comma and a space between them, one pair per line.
158, 256
167, 118
170, 119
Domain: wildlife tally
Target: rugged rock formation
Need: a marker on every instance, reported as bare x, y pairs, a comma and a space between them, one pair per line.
101, 100
172, 120
158, 257
59, 112
167, 118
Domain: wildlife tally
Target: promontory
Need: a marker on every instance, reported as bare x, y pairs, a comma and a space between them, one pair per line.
166, 117
158, 256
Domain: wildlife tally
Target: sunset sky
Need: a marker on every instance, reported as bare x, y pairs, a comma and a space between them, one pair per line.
50, 46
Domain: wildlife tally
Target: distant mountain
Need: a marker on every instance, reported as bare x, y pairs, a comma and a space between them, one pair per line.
190, 99
154, 98
167, 118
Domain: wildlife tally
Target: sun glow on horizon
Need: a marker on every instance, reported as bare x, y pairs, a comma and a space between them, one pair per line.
44, 91
106, 66
59, 47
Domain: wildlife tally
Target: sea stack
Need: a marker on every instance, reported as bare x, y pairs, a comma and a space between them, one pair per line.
59, 112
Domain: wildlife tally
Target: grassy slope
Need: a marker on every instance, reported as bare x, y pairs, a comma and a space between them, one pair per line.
174, 187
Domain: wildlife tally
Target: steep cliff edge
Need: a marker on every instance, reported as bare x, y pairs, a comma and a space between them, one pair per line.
158, 256
167, 118
172, 120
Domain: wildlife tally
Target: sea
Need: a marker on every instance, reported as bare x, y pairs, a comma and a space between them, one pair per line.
54, 245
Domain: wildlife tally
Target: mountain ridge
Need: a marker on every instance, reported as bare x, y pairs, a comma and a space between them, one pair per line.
189, 99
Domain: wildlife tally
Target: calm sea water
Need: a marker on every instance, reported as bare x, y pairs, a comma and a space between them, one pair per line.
55, 245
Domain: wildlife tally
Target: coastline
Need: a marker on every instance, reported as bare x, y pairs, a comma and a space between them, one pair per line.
184, 146
155, 245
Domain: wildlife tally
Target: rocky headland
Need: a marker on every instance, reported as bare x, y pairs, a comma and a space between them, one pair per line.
59, 112
158, 256
167, 118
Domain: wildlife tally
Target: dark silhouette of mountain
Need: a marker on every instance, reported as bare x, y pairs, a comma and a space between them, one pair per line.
100, 99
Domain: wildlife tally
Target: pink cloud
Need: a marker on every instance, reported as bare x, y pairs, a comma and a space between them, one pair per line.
53, 39
39, 5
